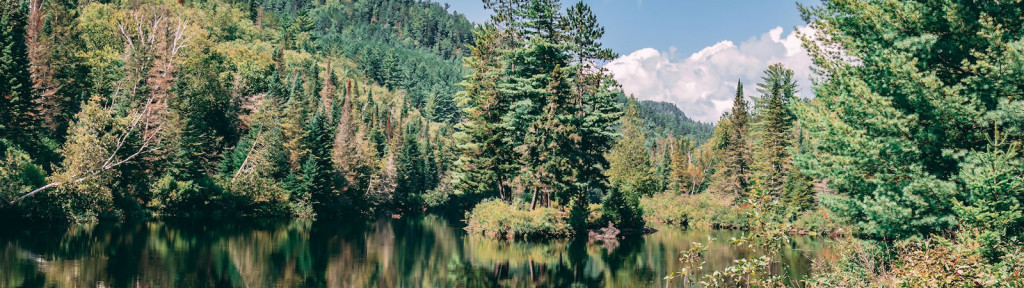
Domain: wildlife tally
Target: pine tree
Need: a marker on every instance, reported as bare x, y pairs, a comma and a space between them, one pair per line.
583, 34
736, 153
410, 169
480, 142
773, 134
318, 167
18, 116
897, 130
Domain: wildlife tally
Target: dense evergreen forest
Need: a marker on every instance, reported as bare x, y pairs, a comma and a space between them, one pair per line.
909, 155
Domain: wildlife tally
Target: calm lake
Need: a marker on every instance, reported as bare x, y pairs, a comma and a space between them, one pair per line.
425, 251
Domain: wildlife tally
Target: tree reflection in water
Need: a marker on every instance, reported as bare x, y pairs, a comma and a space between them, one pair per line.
412, 252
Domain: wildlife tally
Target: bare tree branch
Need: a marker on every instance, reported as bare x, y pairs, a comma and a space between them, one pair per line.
110, 162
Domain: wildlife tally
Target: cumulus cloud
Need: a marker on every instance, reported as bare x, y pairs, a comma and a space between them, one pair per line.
703, 84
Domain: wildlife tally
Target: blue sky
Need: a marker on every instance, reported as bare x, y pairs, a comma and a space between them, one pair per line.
688, 25
691, 53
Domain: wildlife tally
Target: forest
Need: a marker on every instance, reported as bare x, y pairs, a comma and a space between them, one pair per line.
908, 156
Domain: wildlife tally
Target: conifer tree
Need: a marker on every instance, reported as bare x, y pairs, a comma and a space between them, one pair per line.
583, 34
59, 77
909, 111
318, 168
481, 145
773, 134
680, 152
19, 112
410, 168
736, 153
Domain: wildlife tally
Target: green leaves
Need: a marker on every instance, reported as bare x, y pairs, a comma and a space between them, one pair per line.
914, 90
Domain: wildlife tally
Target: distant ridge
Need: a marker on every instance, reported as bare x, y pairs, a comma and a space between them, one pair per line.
663, 118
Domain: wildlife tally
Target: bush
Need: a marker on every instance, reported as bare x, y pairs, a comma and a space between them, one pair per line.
173, 196
18, 175
858, 263
938, 261
258, 196
621, 211
706, 210
818, 222
495, 218
942, 262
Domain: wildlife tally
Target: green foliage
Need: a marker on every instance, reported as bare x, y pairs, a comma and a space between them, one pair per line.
663, 118
629, 167
495, 218
995, 193
911, 89
175, 196
318, 167
87, 185
621, 210
18, 115
734, 177
629, 173
536, 124
18, 174
410, 45
702, 211
773, 125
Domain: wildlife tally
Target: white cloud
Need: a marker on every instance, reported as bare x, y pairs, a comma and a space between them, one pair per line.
704, 84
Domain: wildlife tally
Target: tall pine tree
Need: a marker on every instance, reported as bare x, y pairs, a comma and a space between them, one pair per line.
19, 112
734, 176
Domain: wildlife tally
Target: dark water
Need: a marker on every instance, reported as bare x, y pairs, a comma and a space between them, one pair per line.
418, 252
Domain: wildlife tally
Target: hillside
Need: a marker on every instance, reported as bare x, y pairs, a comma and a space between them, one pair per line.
663, 118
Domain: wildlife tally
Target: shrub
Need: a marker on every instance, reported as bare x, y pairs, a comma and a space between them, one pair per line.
258, 196
706, 210
818, 222
495, 218
621, 211
857, 263
960, 261
957, 261
18, 175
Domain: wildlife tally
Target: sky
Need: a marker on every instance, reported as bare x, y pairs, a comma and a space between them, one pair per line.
691, 53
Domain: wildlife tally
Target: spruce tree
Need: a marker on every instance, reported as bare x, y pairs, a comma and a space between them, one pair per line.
483, 151
736, 154
773, 135
19, 112
318, 168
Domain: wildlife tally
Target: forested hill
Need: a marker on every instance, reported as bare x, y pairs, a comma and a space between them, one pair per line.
411, 45
663, 118
168, 107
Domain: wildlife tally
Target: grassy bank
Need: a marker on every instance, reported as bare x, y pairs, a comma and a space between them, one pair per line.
723, 211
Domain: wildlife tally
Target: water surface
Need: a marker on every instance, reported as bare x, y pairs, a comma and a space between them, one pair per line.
425, 251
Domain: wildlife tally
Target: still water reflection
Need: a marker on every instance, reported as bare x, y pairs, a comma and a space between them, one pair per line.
417, 252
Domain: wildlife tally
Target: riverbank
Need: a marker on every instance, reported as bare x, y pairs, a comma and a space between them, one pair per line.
719, 211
